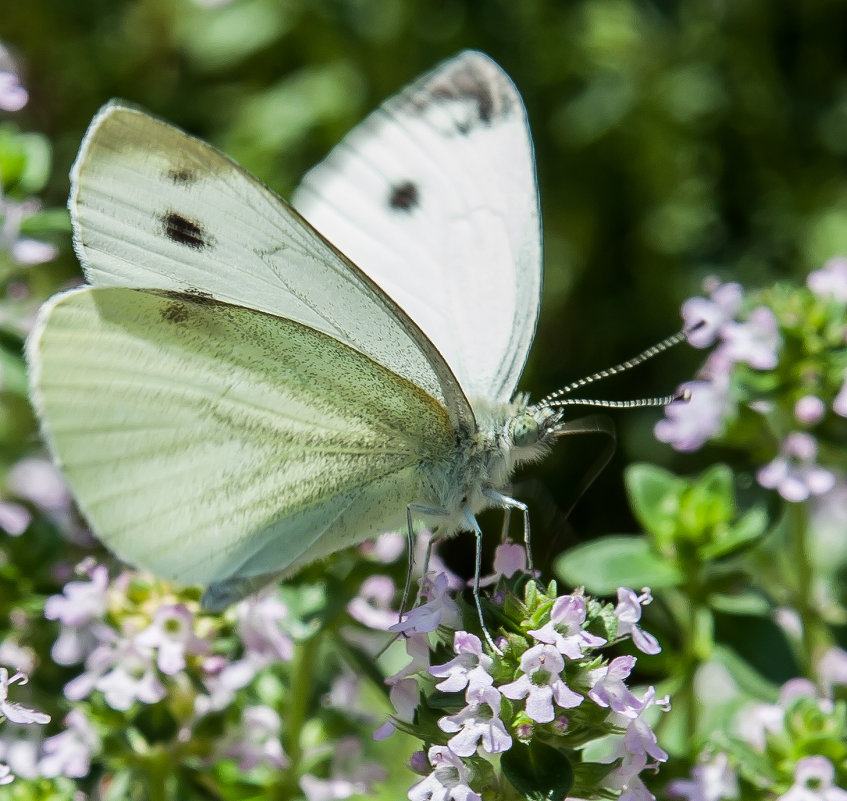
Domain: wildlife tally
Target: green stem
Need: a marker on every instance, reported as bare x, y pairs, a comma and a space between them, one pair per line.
696, 626
159, 769
812, 630
299, 696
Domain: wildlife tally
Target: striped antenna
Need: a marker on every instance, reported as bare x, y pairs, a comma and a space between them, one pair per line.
638, 403
556, 399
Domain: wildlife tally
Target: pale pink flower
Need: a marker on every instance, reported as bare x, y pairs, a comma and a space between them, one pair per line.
260, 620
256, 740
509, 558
404, 692
14, 518
830, 281
80, 608
809, 410
386, 548
795, 474
372, 606
123, 670
713, 780
469, 668
32, 251
832, 669
628, 613
222, 680
564, 629
608, 688
688, 424
704, 318
439, 609
839, 404
13, 96
755, 341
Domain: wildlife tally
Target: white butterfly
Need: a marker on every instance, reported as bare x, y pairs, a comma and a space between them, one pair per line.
234, 395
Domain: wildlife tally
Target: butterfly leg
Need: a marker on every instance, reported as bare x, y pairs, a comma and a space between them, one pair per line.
473, 526
431, 511
504, 501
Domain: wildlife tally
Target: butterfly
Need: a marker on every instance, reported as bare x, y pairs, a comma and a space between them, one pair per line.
245, 386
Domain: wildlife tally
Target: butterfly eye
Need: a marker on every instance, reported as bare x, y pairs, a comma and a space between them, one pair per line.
524, 430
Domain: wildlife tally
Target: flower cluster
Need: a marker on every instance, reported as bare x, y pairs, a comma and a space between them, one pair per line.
550, 689
15, 210
787, 338
141, 645
791, 750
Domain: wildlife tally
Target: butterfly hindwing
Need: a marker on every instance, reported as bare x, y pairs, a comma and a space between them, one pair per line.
207, 441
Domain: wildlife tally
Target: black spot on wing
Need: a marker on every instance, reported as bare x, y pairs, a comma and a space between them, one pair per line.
181, 175
404, 196
199, 295
478, 94
186, 232
473, 94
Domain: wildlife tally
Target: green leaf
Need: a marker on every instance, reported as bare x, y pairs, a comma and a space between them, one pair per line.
711, 500
12, 372
747, 528
47, 221
616, 561
24, 161
537, 771
655, 496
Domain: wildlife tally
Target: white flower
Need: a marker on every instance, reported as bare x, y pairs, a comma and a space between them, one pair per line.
478, 721
16, 713
172, 635
349, 775
713, 780
541, 684
447, 782
813, 778
69, 752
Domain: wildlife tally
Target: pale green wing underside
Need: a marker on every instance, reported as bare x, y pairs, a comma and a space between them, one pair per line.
154, 208
206, 441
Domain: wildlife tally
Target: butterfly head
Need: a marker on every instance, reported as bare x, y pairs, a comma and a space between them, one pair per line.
531, 430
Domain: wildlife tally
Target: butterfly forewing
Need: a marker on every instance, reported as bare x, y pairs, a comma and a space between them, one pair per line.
154, 208
434, 196
206, 440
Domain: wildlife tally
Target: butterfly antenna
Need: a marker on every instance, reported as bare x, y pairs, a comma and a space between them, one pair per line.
555, 399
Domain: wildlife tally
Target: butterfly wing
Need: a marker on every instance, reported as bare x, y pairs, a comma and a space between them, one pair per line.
207, 441
154, 208
434, 196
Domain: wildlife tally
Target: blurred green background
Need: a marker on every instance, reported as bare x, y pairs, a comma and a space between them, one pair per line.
674, 140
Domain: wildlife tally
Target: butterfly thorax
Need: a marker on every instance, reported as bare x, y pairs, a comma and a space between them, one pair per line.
506, 435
